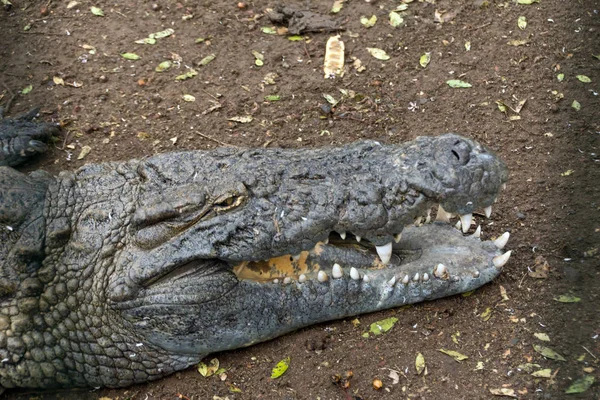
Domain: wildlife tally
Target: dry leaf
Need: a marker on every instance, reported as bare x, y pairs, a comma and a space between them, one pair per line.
333, 64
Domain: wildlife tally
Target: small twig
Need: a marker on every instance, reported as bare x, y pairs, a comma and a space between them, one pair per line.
9, 102
215, 140
306, 50
522, 279
42, 33
585, 348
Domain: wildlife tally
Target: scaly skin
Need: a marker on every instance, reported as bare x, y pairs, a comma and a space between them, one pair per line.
125, 272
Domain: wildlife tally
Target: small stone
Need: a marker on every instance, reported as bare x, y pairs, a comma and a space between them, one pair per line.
377, 384
102, 78
156, 7
520, 215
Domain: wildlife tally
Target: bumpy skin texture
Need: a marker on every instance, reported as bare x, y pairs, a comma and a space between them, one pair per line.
125, 272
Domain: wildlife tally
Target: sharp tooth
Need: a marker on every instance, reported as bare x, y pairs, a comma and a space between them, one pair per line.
443, 215
502, 240
476, 274
337, 271
366, 278
354, 274
302, 278
287, 280
326, 241
440, 271
358, 238
466, 222
397, 237
428, 217
488, 211
418, 221
385, 252
392, 281
322, 276
416, 277
500, 261
425, 277
458, 225
343, 235
477, 233
275, 280
504, 186
405, 279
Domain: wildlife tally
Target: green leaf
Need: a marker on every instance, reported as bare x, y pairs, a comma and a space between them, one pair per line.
146, 41
379, 327
189, 74
27, 89
402, 7
97, 11
419, 363
210, 369
395, 19
567, 298
542, 336
576, 105
295, 38
455, 83
241, 119
378, 53
368, 22
454, 354
280, 368
487, 314
130, 56
425, 59
337, 6
269, 30
581, 385
527, 2
543, 373
522, 22
207, 59
584, 79
548, 353
528, 367
560, 77
162, 34
273, 97
596, 56
163, 66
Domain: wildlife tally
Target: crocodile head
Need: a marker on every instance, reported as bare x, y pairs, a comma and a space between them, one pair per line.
150, 265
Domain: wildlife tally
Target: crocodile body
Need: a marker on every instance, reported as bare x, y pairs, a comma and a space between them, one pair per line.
124, 272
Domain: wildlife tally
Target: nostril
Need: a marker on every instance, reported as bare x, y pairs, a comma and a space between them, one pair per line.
456, 155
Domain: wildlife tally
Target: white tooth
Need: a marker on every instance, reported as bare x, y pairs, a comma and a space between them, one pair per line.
343, 235
397, 237
466, 222
502, 240
500, 261
443, 215
476, 274
428, 217
337, 271
358, 238
477, 233
322, 276
392, 281
302, 278
385, 252
495, 200
326, 241
488, 211
366, 278
354, 274
416, 277
287, 280
275, 280
440, 271
425, 277
458, 225
504, 186
405, 279
418, 221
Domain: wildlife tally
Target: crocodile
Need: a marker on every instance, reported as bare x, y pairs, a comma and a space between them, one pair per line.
124, 272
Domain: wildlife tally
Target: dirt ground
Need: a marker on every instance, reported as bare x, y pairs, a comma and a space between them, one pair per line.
123, 108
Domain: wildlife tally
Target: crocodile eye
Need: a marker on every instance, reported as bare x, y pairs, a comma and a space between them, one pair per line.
229, 202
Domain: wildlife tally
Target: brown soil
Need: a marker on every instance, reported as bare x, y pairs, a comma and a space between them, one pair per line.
125, 109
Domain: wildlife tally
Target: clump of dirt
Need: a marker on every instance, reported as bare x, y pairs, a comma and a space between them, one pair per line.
526, 100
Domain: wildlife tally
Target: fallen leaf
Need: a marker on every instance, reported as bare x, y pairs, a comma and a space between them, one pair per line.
333, 64
542, 336
395, 19
273, 97
242, 120
163, 66
468, 46
548, 353
85, 150
146, 41
527, 2
330, 99
189, 98
543, 373
503, 293
269, 78
528, 367
258, 58
567, 298
27, 89
207, 59
425, 59
368, 22
130, 56
379, 327
584, 78
378, 53
522, 22
455, 83
97, 11
280, 368
540, 269
58, 81
419, 363
516, 42
269, 30
234, 389
72, 4
581, 385
576, 105
560, 77
189, 74
213, 365
162, 34
567, 172
487, 314
337, 6
454, 354
479, 366
295, 38
395, 377
503, 392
